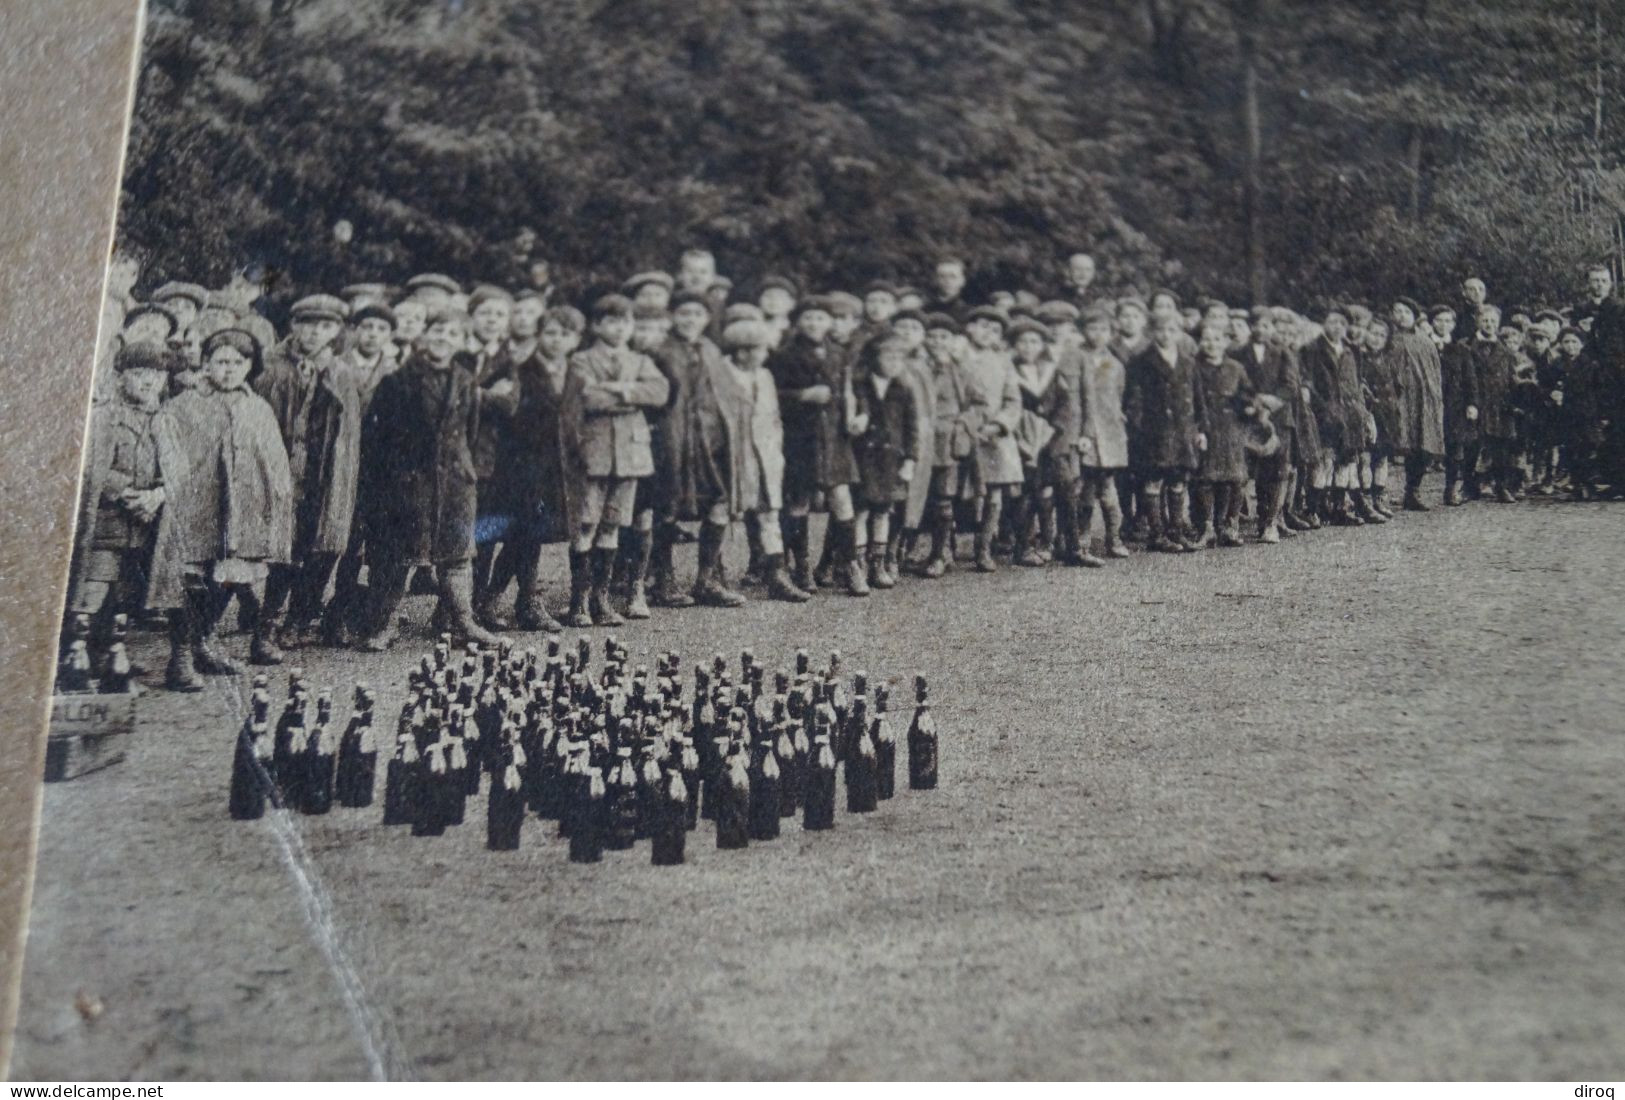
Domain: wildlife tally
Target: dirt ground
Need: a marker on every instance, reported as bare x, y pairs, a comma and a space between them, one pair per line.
1350, 807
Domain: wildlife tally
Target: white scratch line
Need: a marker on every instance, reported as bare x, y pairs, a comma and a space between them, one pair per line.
371, 1028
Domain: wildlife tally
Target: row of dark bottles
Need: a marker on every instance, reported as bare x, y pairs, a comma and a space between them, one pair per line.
83, 670
611, 758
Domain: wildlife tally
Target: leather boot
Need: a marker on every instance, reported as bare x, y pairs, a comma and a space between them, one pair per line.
779, 585
984, 539
799, 538
1452, 497
1363, 508
857, 580
603, 610
709, 588
207, 655
530, 605
878, 577
457, 597
942, 528
667, 592
181, 674
639, 553
580, 583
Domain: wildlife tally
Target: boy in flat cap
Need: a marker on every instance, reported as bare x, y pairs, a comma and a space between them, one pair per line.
1225, 395
1270, 370
368, 362
954, 477
490, 310
776, 298
530, 468
435, 291
650, 290
1332, 371
909, 327
1162, 405
815, 402
991, 404
317, 406
1419, 435
757, 450
130, 453
1102, 433
887, 423
606, 451
1494, 375
419, 444
184, 300
1459, 386
1047, 438
693, 456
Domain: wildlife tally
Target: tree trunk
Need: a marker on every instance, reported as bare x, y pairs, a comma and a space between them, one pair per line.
1413, 175
1252, 156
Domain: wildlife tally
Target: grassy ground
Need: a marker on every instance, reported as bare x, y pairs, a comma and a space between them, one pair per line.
1348, 807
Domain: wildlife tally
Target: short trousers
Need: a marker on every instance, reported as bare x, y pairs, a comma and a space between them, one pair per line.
608, 502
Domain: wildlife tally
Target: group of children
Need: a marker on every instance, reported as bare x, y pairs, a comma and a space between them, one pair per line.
433, 435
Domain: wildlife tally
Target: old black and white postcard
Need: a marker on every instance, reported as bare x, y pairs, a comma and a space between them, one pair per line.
797, 539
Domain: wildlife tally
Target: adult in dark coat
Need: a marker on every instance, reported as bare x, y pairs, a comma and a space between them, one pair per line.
318, 408
419, 441
1584, 407
1601, 316
1494, 366
1162, 407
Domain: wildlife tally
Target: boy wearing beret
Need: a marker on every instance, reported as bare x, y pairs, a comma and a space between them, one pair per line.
318, 408
606, 451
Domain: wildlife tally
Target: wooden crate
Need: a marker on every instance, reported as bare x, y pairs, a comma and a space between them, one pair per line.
87, 733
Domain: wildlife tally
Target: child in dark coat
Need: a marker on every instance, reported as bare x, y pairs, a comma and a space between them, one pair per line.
888, 423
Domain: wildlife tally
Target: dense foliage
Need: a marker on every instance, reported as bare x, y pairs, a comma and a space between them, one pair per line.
1394, 143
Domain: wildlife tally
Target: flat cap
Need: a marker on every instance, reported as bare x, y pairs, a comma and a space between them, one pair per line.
374, 311
777, 282
432, 281
1025, 325
941, 321
646, 278
146, 355
152, 309
196, 294
745, 334
1057, 312
988, 313
320, 307
844, 304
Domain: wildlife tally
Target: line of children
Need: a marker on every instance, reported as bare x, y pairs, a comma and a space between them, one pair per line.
453, 436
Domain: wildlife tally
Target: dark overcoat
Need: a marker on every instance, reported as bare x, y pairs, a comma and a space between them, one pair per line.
1333, 374
891, 437
1459, 382
419, 446
1274, 371
1383, 373
1494, 368
496, 413
1224, 390
1421, 395
818, 454
693, 434
228, 493
1586, 400
1059, 402
1162, 408
318, 409
529, 474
